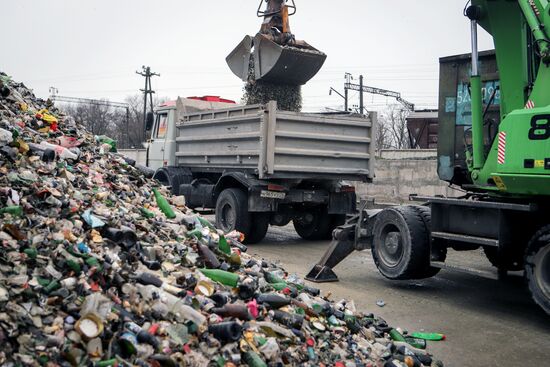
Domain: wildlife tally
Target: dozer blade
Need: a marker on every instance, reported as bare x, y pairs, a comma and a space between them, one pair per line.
285, 64
239, 59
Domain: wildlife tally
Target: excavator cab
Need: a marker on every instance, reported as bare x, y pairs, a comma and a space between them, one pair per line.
274, 55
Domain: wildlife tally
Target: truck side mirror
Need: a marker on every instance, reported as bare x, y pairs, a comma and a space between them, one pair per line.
149, 120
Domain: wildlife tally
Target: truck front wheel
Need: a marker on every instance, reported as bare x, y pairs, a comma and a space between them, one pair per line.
537, 268
232, 214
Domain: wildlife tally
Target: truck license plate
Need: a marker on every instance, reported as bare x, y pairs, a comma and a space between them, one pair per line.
272, 194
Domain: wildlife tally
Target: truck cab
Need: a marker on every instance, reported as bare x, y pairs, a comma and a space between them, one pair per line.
161, 148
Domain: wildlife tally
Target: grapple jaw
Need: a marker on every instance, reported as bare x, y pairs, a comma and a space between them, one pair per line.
260, 58
239, 59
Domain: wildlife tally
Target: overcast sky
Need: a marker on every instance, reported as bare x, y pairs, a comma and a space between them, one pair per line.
93, 48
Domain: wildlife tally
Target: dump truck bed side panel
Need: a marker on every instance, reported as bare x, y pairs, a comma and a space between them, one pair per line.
277, 144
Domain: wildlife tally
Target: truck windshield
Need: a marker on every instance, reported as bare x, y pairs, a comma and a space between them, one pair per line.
161, 126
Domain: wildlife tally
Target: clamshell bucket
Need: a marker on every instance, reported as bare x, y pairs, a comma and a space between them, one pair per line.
239, 59
293, 65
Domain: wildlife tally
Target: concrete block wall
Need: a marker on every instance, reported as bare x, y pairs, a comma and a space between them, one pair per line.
409, 172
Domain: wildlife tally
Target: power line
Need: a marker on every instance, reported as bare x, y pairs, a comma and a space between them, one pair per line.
379, 91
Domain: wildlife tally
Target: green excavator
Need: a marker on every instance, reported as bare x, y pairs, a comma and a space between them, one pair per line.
502, 166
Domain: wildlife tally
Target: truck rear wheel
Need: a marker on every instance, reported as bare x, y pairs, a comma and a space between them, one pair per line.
313, 224
258, 228
401, 248
537, 268
232, 214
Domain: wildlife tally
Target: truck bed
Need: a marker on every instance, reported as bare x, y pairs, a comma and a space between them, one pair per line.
274, 144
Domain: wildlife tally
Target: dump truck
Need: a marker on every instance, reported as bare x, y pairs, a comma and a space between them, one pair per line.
258, 166
494, 144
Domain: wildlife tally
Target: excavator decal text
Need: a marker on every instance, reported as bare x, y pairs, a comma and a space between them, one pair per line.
540, 127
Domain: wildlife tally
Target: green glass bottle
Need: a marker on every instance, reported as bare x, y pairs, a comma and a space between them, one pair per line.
147, 213
279, 286
352, 323
416, 342
43, 281
106, 140
221, 276
223, 246
396, 336
253, 360
94, 263
107, 362
429, 336
74, 266
205, 223
13, 210
54, 285
272, 278
194, 233
163, 205
31, 252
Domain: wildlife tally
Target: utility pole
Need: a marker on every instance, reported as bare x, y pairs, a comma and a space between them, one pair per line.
53, 92
340, 94
148, 90
383, 92
361, 91
348, 78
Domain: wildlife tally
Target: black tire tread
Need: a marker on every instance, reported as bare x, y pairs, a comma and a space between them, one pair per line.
239, 198
419, 252
426, 214
535, 244
258, 228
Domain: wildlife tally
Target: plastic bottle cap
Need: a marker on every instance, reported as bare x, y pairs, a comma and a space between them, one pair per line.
89, 326
204, 288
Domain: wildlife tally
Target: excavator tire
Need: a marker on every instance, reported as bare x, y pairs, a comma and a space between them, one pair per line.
437, 253
401, 248
537, 267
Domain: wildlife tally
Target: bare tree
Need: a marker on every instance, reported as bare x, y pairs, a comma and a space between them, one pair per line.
135, 132
99, 120
126, 127
392, 131
382, 137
